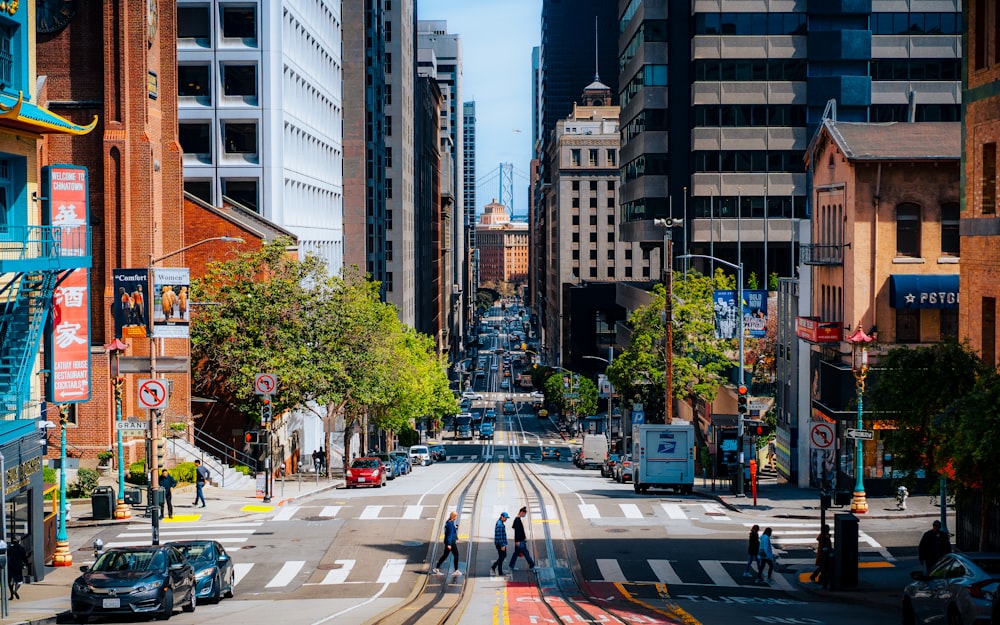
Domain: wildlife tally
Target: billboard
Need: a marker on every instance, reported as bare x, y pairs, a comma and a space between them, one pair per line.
65, 187
727, 313
171, 315
67, 353
130, 309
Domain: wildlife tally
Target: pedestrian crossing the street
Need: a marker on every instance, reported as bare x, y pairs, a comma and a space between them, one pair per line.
788, 537
653, 511
714, 573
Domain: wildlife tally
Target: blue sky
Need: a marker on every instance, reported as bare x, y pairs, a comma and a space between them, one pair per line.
497, 37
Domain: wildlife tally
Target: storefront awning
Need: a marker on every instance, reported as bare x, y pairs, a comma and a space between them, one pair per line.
923, 291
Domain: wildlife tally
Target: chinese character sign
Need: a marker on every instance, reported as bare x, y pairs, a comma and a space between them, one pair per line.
65, 187
68, 349
130, 307
171, 312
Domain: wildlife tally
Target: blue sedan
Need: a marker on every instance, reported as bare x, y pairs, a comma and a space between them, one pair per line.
213, 568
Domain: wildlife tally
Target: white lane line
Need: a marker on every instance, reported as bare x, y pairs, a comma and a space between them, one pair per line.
330, 510
611, 571
132, 528
240, 570
715, 510
131, 543
412, 512
339, 576
630, 510
193, 532
589, 511
287, 573
392, 571
673, 510
370, 512
664, 571
718, 573
286, 513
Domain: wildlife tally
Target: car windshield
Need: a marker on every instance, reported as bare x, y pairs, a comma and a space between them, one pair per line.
130, 561
196, 551
366, 463
418, 450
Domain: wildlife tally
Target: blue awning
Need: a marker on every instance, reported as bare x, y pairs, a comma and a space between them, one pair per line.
923, 291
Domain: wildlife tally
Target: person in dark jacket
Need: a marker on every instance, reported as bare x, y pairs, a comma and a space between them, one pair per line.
824, 548
167, 483
753, 550
521, 541
933, 545
17, 559
500, 542
450, 544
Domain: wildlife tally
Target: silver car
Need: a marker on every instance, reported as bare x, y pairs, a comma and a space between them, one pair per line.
959, 590
420, 454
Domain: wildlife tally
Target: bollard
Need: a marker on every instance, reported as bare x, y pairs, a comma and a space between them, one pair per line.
901, 495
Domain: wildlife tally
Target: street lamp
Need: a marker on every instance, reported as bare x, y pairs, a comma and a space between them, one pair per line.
154, 415
116, 347
62, 555
611, 389
740, 329
668, 325
859, 365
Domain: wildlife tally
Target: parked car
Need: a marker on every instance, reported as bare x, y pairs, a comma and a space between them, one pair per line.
365, 472
402, 459
391, 468
150, 580
438, 453
623, 469
420, 454
536, 395
550, 453
214, 573
471, 395
509, 407
608, 468
505, 384
577, 455
958, 590
491, 413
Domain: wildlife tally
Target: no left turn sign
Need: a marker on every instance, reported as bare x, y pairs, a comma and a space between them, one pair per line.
821, 436
152, 394
265, 383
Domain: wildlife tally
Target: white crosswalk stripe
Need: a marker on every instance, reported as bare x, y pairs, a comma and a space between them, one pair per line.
232, 535
285, 513
287, 573
654, 512
720, 573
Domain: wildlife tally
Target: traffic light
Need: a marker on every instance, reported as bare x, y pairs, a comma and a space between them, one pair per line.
758, 429
265, 411
742, 401
253, 437
161, 451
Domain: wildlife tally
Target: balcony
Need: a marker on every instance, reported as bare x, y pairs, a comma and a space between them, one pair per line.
44, 248
813, 254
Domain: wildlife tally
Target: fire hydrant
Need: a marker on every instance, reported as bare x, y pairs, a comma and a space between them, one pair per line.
901, 495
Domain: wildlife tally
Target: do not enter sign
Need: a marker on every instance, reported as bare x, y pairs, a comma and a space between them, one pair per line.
821, 436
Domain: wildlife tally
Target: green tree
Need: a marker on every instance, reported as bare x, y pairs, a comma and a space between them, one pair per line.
556, 388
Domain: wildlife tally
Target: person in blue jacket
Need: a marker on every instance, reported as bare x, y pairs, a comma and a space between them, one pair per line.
766, 557
450, 544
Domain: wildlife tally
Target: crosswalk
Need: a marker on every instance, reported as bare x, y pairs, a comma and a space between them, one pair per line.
714, 573
654, 511
793, 536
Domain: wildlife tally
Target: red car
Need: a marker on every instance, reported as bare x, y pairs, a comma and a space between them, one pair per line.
366, 472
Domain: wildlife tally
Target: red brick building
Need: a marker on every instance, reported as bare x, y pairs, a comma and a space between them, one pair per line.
503, 247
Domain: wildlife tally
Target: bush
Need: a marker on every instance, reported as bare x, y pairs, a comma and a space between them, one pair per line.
184, 472
86, 481
242, 468
50, 475
137, 473
105, 456
408, 436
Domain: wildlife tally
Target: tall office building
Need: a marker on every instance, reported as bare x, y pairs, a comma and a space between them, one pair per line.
260, 113
724, 136
469, 184
441, 52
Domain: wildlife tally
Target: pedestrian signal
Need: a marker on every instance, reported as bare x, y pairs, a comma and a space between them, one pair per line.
742, 401
253, 437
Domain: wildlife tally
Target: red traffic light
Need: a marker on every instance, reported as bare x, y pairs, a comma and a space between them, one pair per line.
742, 390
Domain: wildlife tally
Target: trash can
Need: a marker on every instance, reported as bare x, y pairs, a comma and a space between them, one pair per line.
102, 503
133, 495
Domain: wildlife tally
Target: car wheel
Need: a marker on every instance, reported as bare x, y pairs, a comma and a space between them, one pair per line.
909, 618
635, 485
81, 618
168, 606
217, 584
193, 602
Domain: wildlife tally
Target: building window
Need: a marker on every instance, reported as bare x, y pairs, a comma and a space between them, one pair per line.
576, 237
239, 80
611, 204
388, 251
949, 324
239, 23
592, 159
242, 192
593, 254
574, 157
593, 237
593, 272
388, 188
193, 81
950, 239
576, 220
388, 125
611, 237
193, 23
388, 31
628, 253
7, 47
593, 185
628, 271
201, 189
240, 137
593, 202
907, 325
5, 208
611, 220
388, 94
988, 330
908, 230
593, 220
611, 158
575, 202
989, 178
611, 254
388, 62
388, 281
575, 185
576, 254
196, 138
388, 157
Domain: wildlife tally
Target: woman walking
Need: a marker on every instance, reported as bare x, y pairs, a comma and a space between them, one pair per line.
450, 544
753, 550
766, 557
823, 551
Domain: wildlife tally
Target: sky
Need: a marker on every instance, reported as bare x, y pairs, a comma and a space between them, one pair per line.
497, 38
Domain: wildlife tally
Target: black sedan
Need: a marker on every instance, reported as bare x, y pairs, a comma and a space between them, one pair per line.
134, 580
439, 453
214, 573
550, 453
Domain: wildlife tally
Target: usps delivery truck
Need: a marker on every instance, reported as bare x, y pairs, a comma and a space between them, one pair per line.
663, 457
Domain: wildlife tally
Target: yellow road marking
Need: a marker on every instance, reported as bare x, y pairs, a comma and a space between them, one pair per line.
182, 518
674, 612
881, 564
253, 508
544, 520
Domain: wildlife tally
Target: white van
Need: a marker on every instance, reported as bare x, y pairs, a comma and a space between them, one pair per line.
420, 454
595, 450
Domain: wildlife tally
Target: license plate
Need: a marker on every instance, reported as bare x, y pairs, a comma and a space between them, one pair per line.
111, 603
361, 479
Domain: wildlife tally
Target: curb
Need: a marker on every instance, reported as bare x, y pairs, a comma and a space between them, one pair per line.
856, 596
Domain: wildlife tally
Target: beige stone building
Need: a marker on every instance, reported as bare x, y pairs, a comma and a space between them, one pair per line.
503, 247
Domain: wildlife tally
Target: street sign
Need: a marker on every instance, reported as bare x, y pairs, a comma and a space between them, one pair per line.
265, 383
821, 435
864, 435
571, 395
132, 425
153, 394
757, 405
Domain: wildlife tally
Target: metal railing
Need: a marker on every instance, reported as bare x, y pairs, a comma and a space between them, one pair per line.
814, 254
37, 242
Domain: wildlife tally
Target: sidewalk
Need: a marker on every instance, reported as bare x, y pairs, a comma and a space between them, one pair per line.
43, 602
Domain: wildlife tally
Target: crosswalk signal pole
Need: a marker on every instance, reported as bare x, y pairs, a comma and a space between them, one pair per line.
265, 419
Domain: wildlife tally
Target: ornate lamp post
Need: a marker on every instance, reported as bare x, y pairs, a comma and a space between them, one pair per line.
859, 365
116, 347
62, 555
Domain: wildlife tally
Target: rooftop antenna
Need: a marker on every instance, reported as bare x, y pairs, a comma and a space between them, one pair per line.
597, 75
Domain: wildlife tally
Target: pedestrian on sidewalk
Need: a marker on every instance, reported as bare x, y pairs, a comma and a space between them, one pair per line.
521, 541
753, 551
201, 475
772, 455
167, 483
766, 558
500, 542
17, 560
450, 544
823, 550
933, 544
